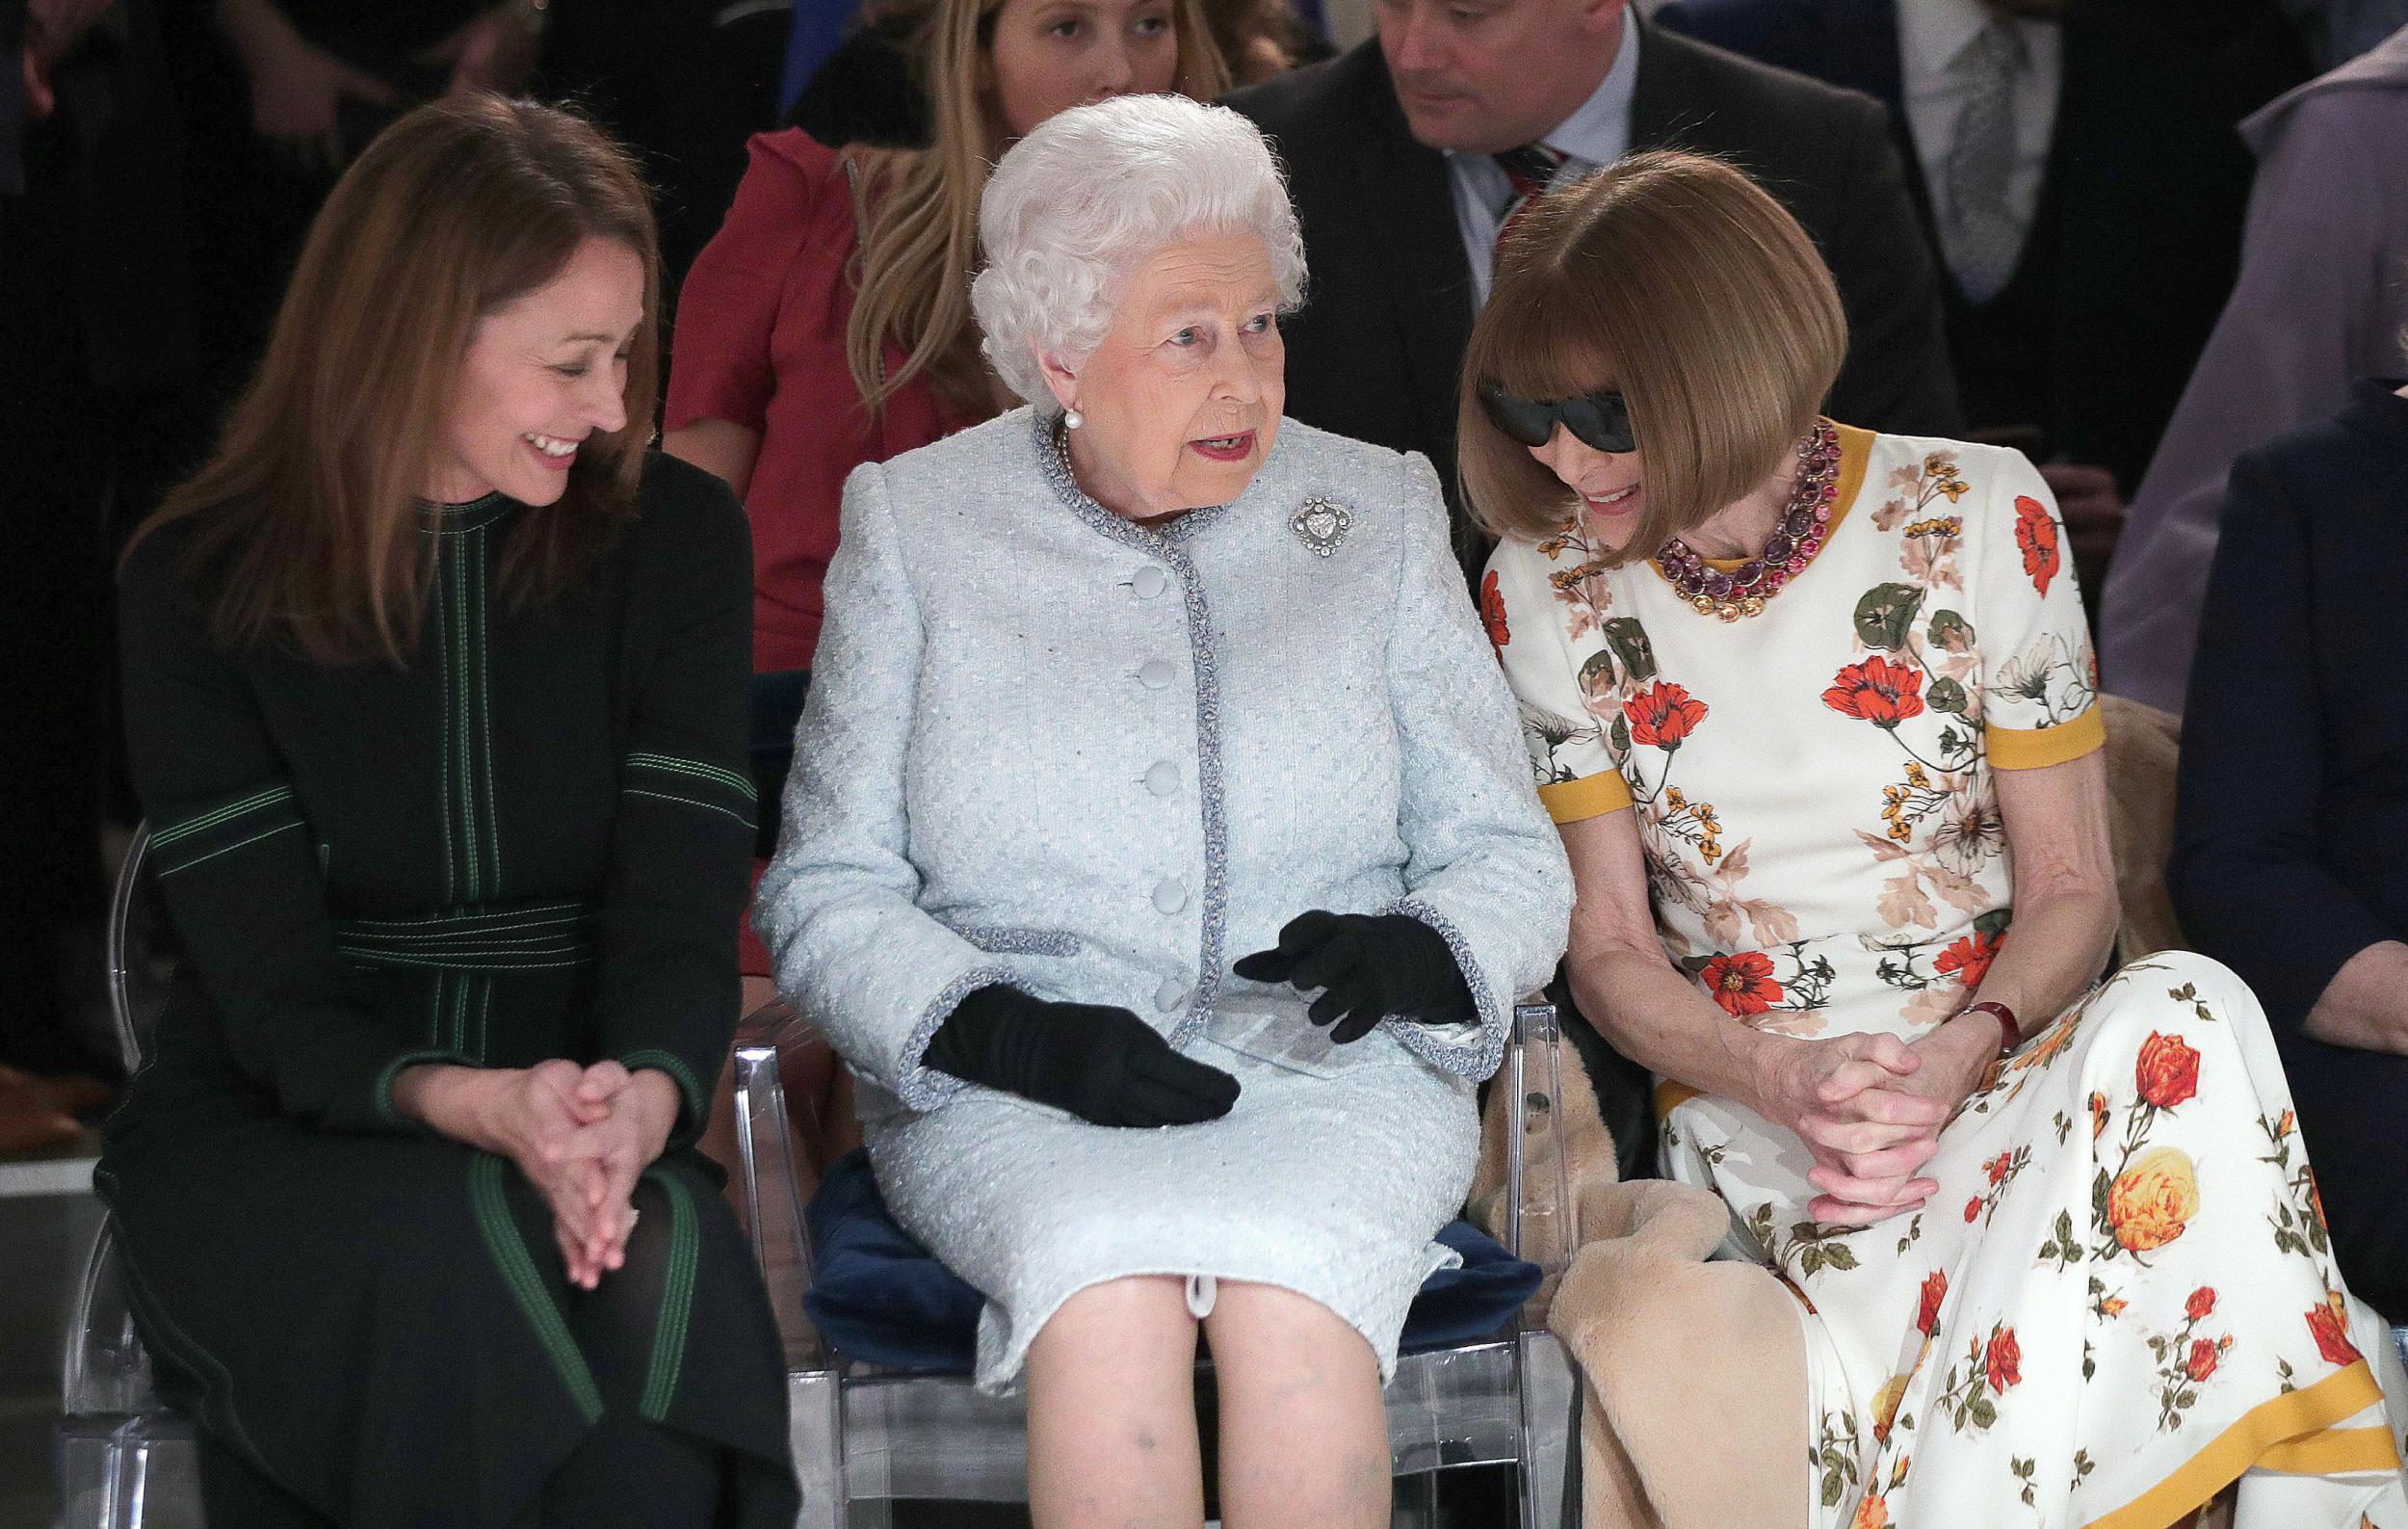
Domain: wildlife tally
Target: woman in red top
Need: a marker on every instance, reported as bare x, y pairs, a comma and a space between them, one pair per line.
828, 322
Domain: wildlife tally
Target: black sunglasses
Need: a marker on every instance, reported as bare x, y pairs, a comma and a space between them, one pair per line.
1600, 421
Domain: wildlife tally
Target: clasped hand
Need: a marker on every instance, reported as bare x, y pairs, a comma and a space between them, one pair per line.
582, 1135
1871, 1109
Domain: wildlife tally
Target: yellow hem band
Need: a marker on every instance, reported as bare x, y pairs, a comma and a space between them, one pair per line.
2295, 1428
2038, 748
1588, 796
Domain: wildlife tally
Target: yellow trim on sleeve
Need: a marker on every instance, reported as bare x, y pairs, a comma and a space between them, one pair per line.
2295, 1429
1672, 1096
1588, 796
2038, 748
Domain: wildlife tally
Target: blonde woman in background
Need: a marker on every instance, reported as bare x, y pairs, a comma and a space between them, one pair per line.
829, 324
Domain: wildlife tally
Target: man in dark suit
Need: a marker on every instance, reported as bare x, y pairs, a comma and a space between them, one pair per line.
2128, 235
1388, 154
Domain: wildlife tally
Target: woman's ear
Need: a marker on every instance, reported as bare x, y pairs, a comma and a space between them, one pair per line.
1060, 379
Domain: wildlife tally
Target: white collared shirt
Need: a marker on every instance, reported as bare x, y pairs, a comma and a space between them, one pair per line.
1598, 133
1932, 36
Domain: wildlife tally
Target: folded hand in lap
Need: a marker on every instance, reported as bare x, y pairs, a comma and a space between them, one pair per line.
1104, 1065
1369, 967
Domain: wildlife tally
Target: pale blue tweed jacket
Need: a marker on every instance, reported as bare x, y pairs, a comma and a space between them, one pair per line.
1049, 746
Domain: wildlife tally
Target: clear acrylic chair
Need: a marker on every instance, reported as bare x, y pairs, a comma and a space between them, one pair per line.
864, 1437
125, 1462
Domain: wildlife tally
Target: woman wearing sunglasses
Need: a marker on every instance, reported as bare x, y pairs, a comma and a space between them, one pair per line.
1814, 710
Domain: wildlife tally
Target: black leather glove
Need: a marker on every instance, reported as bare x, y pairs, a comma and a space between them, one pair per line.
1105, 1066
1368, 967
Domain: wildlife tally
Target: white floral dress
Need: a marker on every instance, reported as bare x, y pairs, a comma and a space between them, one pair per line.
2122, 1297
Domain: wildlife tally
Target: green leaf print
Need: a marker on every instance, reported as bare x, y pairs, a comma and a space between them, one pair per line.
1951, 633
1885, 614
1947, 696
1629, 643
1597, 675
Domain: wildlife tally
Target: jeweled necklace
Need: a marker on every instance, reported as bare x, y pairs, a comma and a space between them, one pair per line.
1793, 543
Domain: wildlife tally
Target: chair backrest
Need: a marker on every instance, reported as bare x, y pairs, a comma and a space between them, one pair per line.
2143, 747
142, 952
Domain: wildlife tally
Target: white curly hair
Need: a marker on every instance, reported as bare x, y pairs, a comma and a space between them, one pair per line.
1077, 205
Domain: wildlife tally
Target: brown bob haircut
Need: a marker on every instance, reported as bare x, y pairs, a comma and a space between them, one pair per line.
306, 518
1677, 281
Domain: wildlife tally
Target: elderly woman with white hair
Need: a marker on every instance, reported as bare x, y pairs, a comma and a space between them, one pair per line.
1113, 688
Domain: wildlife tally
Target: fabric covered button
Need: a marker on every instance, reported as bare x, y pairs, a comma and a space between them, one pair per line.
1151, 582
1161, 777
1170, 895
1171, 994
1155, 674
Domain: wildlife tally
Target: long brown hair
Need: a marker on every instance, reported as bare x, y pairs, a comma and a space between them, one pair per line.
920, 233
306, 518
1677, 281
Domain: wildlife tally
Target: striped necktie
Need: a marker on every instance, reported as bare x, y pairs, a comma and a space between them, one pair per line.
1529, 169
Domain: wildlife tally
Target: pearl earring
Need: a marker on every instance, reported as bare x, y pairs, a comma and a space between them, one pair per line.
1072, 419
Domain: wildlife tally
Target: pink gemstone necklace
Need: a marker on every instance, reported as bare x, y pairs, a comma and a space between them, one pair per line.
1793, 543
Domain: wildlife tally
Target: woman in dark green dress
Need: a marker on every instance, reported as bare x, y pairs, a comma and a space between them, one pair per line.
435, 683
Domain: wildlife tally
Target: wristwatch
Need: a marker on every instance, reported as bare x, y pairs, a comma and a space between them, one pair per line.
2011, 1029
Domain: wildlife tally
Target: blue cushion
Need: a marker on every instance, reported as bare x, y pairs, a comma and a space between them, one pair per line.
881, 1298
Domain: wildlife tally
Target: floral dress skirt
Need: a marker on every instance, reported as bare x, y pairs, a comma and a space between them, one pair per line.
2121, 1298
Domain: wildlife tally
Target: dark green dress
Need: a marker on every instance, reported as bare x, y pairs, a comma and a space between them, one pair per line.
532, 841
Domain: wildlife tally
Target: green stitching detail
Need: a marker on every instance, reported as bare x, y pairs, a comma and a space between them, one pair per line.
485, 702
489, 933
467, 749
526, 1286
668, 1330
484, 1013
443, 751
177, 870
514, 961
706, 806
695, 767
459, 1015
382, 1094
569, 910
210, 820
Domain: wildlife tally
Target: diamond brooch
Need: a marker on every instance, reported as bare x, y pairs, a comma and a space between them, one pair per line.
1321, 525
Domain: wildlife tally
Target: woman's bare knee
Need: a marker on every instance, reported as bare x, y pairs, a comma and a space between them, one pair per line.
1138, 1322
1258, 1327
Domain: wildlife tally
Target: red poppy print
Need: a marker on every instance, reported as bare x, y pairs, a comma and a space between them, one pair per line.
2035, 533
1743, 982
1492, 611
1967, 958
1878, 690
1662, 714
2168, 1071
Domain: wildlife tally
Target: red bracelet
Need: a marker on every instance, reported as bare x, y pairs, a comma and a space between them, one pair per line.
2011, 1029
